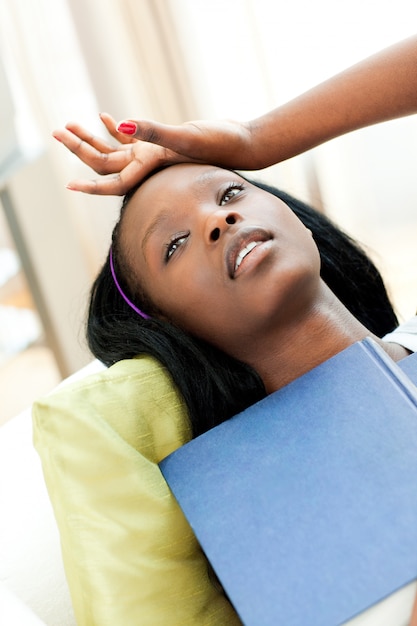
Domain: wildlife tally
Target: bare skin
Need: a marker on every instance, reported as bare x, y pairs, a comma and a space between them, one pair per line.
414, 614
380, 88
182, 227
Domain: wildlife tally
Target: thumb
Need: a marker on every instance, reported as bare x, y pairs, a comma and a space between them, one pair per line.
165, 135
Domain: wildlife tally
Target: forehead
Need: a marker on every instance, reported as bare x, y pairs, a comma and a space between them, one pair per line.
160, 192
183, 178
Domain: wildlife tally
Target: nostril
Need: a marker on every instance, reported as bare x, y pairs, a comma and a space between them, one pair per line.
230, 219
215, 234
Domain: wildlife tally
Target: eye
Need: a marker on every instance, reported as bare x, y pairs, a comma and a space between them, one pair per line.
232, 190
174, 244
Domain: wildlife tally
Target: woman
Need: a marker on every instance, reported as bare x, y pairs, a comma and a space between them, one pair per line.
377, 89
203, 325
226, 274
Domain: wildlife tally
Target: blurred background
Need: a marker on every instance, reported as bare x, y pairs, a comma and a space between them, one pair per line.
173, 60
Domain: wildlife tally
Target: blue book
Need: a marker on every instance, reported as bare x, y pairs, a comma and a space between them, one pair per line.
409, 366
306, 503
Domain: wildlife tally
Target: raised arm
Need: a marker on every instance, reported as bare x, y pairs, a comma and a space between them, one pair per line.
378, 89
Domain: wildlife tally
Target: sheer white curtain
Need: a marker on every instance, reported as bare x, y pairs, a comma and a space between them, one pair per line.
179, 59
71, 59
45, 67
47, 78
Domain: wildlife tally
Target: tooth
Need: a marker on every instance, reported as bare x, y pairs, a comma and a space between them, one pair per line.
244, 252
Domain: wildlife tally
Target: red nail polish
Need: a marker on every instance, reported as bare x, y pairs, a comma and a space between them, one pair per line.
127, 128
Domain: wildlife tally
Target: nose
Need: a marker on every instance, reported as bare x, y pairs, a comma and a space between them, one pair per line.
218, 222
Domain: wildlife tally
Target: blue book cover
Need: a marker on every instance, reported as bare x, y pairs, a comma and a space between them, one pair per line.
306, 503
409, 366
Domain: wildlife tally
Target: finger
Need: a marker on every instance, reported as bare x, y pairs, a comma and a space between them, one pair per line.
84, 135
99, 159
182, 139
101, 186
109, 186
111, 127
117, 185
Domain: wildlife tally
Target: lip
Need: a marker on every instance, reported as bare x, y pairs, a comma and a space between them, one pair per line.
240, 241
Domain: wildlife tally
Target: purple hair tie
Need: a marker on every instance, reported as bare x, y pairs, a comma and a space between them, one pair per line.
120, 290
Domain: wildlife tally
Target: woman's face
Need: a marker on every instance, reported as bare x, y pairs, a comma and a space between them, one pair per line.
219, 257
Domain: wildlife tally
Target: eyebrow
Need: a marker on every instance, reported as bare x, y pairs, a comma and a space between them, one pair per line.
203, 179
153, 226
206, 177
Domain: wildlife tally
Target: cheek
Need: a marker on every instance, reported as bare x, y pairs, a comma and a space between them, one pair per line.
186, 297
201, 306
196, 298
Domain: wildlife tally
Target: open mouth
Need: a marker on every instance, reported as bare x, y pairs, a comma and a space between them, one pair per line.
244, 253
242, 246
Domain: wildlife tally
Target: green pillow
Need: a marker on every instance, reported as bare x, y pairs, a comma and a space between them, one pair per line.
130, 556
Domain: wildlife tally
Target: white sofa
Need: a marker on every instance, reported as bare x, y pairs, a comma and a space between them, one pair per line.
33, 588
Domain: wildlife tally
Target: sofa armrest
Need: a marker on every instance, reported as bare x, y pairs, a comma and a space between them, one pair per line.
30, 555
13, 612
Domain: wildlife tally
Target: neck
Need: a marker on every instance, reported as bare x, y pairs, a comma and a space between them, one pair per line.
327, 328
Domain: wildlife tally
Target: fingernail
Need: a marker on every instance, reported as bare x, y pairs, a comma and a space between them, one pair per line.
127, 128
71, 188
57, 138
